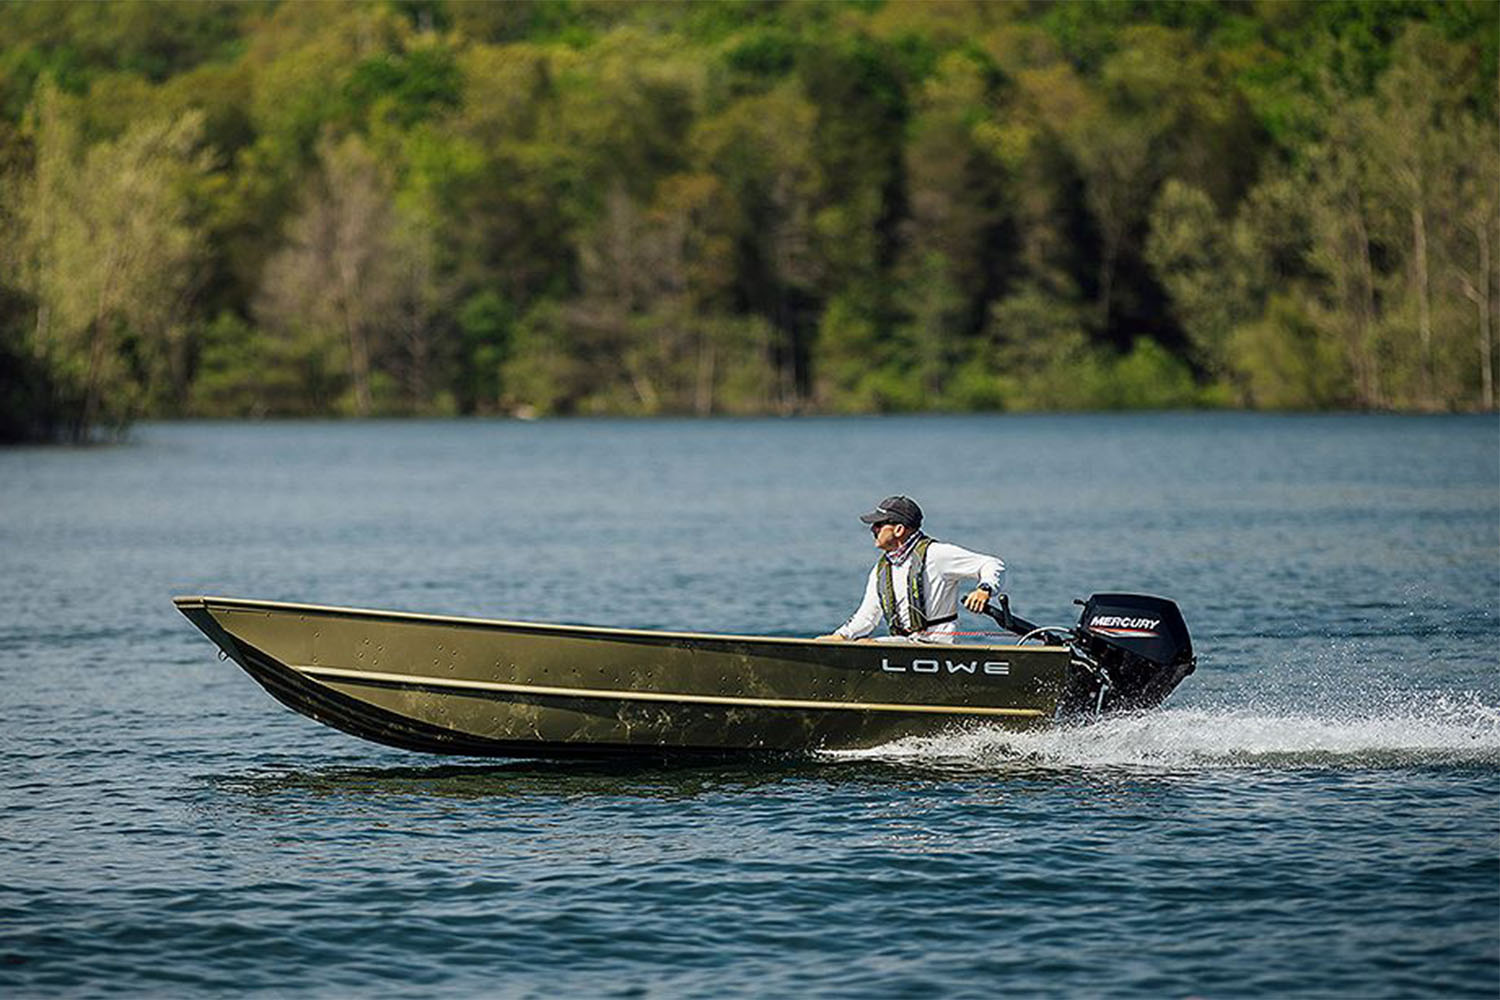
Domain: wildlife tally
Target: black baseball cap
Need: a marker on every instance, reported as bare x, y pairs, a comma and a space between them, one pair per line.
897, 510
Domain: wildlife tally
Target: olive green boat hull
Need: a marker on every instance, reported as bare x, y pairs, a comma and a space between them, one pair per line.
517, 689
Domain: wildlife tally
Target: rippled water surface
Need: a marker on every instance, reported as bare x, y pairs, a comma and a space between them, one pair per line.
1316, 812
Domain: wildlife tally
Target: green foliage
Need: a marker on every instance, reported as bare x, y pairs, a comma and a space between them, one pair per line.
591, 206
1289, 362
405, 88
1148, 378
73, 44
861, 371
767, 54
487, 323
1189, 249
245, 371
107, 247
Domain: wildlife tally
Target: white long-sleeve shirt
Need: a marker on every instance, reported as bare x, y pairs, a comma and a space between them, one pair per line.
948, 566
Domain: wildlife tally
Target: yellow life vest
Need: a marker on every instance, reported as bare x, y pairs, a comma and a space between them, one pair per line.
916, 593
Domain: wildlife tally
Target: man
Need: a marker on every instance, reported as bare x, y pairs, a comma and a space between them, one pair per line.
915, 582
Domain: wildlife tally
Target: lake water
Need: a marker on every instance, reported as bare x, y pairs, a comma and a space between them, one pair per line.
1316, 812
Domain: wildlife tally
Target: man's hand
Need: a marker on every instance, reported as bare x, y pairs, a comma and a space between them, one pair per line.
830, 637
977, 599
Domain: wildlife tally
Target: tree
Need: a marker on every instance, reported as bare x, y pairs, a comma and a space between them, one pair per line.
759, 150
421, 348
110, 252
1411, 148
330, 285
1475, 263
1339, 207
1189, 250
958, 247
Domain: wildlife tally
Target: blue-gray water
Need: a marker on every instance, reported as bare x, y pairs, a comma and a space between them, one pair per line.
1316, 812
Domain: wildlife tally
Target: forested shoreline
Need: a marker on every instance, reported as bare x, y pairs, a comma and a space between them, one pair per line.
425, 208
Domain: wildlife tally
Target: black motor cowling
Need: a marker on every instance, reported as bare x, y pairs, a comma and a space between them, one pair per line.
1138, 643
1129, 651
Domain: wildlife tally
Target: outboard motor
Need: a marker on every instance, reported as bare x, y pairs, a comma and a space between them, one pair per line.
1129, 651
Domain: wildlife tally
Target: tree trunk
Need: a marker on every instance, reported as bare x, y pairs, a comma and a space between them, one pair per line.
359, 364
1107, 254
91, 388
421, 363
1369, 365
1424, 298
91, 384
773, 370
1486, 336
644, 390
359, 344
43, 321
703, 396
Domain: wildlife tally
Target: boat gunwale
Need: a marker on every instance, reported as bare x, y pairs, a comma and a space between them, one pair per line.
599, 631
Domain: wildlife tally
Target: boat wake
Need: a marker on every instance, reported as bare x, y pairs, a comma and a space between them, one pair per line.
1443, 730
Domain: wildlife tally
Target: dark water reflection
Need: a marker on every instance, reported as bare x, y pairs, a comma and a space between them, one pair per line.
626, 779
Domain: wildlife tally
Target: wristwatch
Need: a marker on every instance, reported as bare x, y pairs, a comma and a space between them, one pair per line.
987, 588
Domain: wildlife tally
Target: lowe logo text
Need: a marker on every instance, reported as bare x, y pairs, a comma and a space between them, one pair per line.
993, 668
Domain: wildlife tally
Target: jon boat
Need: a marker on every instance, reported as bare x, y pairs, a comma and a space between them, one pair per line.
478, 687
